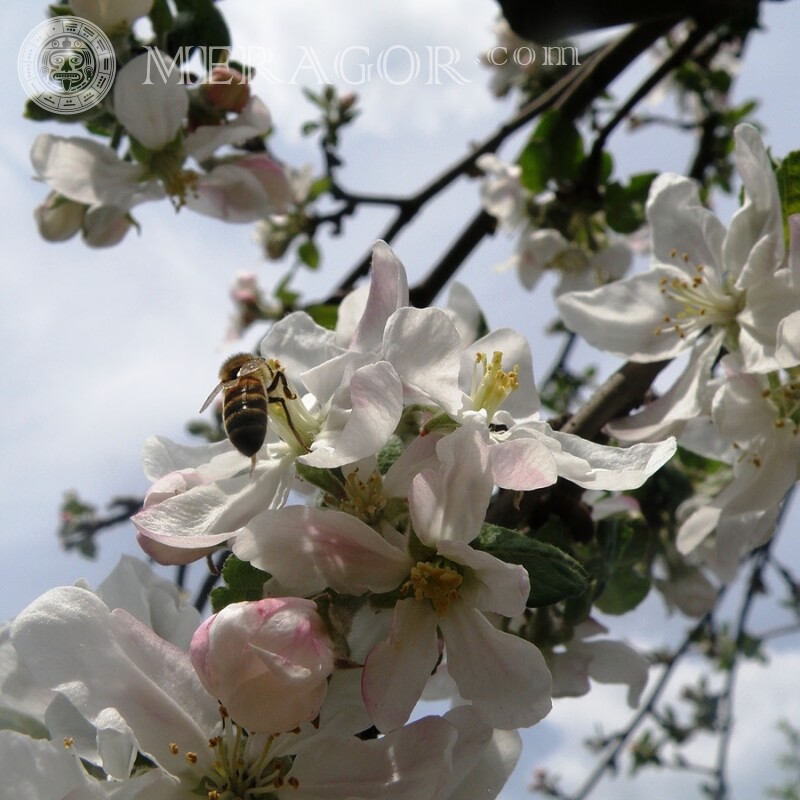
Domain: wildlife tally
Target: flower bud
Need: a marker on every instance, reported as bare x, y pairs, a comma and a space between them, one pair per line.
227, 89
267, 662
59, 218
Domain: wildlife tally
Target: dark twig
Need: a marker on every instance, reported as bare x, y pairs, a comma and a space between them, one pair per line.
211, 581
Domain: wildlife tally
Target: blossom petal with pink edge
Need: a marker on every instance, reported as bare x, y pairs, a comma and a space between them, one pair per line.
511, 689
396, 670
522, 465
307, 549
255, 120
450, 502
110, 660
388, 291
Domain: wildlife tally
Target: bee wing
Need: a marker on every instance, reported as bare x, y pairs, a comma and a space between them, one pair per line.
250, 367
217, 389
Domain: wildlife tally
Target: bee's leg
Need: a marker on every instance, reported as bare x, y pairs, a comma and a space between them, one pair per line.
253, 461
280, 378
282, 401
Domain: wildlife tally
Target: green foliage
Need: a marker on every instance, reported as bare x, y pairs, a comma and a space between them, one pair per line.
243, 582
308, 254
324, 315
623, 584
625, 203
554, 575
553, 153
788, 175
199, 24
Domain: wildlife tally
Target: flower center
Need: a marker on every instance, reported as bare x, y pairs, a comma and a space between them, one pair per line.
364, 500
491, 384
703, 301
434, 581
242, 768
783, 395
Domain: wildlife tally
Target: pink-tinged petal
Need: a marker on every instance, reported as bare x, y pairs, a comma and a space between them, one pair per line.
688, 398
308, 549
483, 760
376, 395
465, 312
232, 193
150, 99
397, 670
412, 763
109, 659
206, 516
492, 584
511, 689
424, 346
388, 291
522, 465
624, 317
612, 468
450, 503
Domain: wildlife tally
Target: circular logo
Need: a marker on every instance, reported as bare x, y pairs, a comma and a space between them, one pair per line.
66, 65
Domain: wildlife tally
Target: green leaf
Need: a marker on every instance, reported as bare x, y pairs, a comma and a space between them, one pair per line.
244, 582
161, 18
325, 315
309, 254
554, 152
322, 478
554, 575
625, 205
623, 592
199, 25
788, 175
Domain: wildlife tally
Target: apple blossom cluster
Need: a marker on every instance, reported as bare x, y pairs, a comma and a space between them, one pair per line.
373, 582
179, 131
730, 299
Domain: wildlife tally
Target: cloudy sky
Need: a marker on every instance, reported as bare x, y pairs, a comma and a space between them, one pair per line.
102, 348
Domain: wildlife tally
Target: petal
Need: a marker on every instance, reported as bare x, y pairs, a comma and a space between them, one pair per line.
493, 585
424, 346
681, 224
89, 172
396, 671
308, 549
522, 465
411, 763
110, 659
450, 503
612, 468
624, 317
376, 395
687, 398
388, 292
512, 687
255, 120
150, 99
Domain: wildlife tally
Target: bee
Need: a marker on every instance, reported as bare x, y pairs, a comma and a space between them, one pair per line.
249, 384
